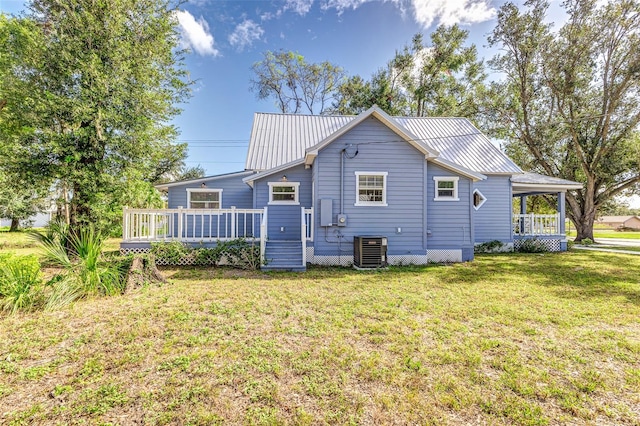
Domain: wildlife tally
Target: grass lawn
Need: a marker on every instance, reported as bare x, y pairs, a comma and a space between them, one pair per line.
608, 233
20, 243
507, 339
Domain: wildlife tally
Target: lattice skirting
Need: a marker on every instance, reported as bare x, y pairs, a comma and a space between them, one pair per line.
347, 259
184, 261
551, 245
444, 256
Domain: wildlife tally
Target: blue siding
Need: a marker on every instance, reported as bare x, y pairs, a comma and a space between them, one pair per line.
287, 216
450, 223
378, 150
493, 219
234, 192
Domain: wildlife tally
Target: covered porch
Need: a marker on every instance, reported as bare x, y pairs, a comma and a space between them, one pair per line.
545, 227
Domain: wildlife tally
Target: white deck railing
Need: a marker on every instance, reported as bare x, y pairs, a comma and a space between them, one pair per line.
308, 222
536, 224
191, 225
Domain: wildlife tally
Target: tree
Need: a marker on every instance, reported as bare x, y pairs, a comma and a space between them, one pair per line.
442, 79
296, 85
356, 95
103, 85
569, 105
21, 195
20, 200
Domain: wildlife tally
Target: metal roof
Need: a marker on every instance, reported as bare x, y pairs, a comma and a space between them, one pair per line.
167, 185
536, 183
537, 178
278, 139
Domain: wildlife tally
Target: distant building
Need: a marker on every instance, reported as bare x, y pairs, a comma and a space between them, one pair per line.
617, 222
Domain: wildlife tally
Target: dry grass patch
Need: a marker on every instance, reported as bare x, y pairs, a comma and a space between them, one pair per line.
507, 339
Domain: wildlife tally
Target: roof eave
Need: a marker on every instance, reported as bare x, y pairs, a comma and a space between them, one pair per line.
542, 187
386, 119
475, 176
166, 186
250, 179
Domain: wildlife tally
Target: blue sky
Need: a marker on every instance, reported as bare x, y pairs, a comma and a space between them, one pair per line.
227, 37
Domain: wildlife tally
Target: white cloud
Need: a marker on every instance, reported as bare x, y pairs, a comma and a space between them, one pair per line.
426, 12
342, 5
195, 34
449, 12
245, 34
301, 7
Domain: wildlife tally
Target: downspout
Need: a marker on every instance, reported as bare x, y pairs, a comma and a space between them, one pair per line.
342, 181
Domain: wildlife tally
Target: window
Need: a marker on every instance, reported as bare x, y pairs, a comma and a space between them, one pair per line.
204, 198
283, 193
446, 189
371, 189
478, 199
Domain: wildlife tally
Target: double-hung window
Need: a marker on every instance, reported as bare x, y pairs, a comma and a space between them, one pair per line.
204, 198
283, 193
371, 189
446, 188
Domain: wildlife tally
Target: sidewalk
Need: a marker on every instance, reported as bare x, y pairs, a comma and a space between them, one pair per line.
604, 248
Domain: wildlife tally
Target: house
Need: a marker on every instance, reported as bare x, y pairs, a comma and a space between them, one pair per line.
620, 222
338, 190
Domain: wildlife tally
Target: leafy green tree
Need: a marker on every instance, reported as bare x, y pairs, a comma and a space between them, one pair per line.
445, 78
569, 105
296, 85
20, 200
356, 95
103, 86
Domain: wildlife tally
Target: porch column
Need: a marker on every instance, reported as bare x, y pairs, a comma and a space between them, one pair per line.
561, 210
523, 211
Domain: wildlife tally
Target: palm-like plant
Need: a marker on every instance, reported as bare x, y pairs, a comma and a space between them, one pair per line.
79, 255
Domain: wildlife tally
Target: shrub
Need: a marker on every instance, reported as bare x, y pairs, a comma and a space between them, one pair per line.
20, 283
238, 253
171, 253
532, 245
85, 271
570, 244
586, 241
489, 247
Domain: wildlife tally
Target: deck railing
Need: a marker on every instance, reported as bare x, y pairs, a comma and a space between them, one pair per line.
308, 222
191, 225
536, 224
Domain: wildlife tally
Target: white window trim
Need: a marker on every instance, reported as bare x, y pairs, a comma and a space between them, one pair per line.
296, 186
453, 179
484, 199
191, 190
384, 190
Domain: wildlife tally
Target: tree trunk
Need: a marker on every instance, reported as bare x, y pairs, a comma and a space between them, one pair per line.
15, 224
584, 228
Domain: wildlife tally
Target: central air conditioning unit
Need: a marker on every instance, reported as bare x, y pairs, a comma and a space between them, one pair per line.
369, 252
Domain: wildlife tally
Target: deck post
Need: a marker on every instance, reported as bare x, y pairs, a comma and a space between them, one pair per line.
125, 223
303, 236
180, 222
523, 211
561, 210
152, 226
234, 221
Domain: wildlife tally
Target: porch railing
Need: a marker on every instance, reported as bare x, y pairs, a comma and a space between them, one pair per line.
308, 222
191, 225
536, 224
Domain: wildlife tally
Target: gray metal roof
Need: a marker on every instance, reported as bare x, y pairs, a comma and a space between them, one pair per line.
531, 183
536, 178
277, 139
460, 142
